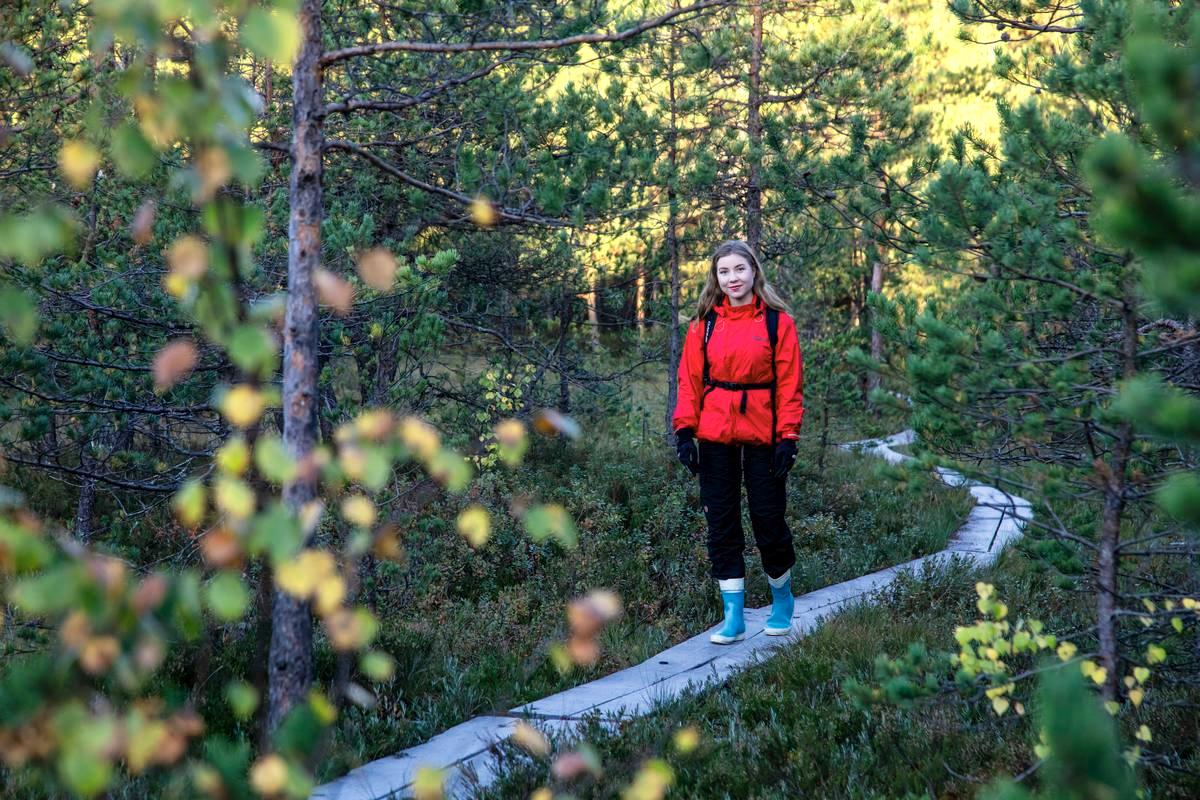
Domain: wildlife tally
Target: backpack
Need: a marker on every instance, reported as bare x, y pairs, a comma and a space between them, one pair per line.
710, 321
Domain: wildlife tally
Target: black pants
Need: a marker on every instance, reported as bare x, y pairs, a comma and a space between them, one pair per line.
722, 468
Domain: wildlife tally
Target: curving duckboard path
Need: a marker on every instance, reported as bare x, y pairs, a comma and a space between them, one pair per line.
466, 751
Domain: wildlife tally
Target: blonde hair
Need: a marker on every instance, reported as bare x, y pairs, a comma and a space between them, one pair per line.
711, 292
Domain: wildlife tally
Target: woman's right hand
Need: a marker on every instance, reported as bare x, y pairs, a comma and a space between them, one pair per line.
685, 448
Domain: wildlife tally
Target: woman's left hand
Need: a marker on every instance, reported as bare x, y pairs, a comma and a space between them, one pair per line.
785, 457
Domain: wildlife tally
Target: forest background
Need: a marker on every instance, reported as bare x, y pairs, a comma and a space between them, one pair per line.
369, 312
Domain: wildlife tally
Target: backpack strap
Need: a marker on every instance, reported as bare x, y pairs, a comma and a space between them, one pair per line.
773, 336
710, 321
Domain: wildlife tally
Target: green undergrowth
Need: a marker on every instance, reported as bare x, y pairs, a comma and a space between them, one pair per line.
786, 728
472, 631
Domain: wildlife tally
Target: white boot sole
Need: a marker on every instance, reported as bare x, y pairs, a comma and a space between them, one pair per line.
777, 631
717, 638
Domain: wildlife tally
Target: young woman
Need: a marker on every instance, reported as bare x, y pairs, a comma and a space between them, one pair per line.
723, 428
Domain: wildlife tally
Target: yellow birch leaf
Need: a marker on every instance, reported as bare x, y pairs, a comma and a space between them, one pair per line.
243, 405
429, 784
686, 739
300, 576
359, 510
475, 525
233, 457
189, 503
78, 161
234, 497
420, 437
530, 738
269, 774
330, 592
483, 212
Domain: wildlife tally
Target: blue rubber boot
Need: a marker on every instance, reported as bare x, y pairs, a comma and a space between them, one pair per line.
782, 605
733, 598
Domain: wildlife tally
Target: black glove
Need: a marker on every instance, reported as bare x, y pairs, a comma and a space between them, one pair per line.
685, 448
785, 457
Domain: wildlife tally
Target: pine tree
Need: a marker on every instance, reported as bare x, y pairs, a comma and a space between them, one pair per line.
1060, 368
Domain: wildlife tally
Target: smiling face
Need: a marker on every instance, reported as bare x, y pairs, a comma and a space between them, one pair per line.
735, 276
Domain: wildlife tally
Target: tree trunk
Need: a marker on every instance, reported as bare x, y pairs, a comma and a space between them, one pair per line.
672, 245
291, 619
258, 673
1114, 506
754, 128
566, 316
386, 354
873, 380
594, 312
640, 301
84, 509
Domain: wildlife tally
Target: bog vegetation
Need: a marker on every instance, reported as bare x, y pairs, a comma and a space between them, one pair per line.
337, 357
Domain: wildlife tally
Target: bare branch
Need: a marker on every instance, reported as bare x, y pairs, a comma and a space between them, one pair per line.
505, 215
335, 56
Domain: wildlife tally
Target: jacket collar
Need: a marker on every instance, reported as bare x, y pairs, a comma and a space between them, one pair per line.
744, 311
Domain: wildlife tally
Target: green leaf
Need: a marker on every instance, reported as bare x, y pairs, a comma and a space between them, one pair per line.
1180, 497
52, 591
18, 315
229, 220
451, 469
190, 502
376, 469
272, 460
131, 152
271, 34
252, 349
227, 596
242, 698
25, 550
31, 237
551, 520
87, 774
187, 614
276, 532
248, 167
377, 666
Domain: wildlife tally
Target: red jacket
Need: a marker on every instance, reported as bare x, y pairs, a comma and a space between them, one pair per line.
739, 352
